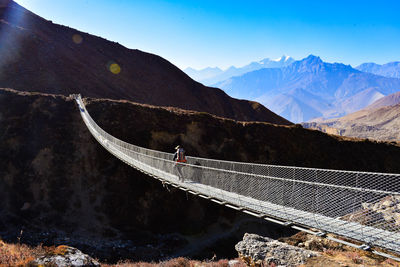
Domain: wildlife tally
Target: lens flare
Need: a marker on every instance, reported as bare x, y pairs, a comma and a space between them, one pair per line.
9, 39
115, 68
77, 38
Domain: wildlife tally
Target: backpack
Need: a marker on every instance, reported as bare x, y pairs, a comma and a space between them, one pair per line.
181, 155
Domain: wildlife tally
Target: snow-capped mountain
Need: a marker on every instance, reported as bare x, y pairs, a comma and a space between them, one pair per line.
210, 76
311, 88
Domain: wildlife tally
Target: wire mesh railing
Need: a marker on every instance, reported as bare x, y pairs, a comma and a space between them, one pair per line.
360, 205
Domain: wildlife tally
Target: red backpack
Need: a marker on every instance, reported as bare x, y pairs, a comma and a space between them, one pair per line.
181, 155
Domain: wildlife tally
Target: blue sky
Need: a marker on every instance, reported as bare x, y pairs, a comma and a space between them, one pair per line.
222, 33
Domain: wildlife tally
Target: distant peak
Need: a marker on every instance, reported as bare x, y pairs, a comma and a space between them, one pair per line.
311, 56
283, 58
213, 68
231, 68
263, 61
369, 64
312, 59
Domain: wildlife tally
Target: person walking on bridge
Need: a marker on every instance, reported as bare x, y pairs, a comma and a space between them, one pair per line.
179, 158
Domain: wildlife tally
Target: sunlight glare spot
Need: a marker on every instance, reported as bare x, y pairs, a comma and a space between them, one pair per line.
77, 38
115, 68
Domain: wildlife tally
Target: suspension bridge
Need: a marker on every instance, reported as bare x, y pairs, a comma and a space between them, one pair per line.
360, 206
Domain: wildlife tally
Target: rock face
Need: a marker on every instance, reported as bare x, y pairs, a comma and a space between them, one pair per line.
66, 256
37, 55
264, 251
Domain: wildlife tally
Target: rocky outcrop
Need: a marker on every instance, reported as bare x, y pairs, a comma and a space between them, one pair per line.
256, 250
384, 213
65, 256
387, 209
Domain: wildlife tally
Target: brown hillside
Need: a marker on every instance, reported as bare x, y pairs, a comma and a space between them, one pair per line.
380, 123
37, 55
61, 187
389, 100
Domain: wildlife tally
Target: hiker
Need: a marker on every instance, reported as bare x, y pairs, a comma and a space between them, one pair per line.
179, 157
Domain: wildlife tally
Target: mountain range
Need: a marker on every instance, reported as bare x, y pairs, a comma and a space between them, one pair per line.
310, 88
391, 69
210, 76
38, 55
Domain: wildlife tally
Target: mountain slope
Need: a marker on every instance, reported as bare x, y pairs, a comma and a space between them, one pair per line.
378, 123
296, 104
37, 55
233, 71
391, 69
337, 88
389, 100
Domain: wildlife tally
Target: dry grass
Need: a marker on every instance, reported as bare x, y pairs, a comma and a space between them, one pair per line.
340, 257
336, 254
17, 254
60, 250
332, 255
180, 262
350, 259
23, 255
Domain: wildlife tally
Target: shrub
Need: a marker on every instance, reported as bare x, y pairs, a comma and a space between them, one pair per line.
355, 257
17, 254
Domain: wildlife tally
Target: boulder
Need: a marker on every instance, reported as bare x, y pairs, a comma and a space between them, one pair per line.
396, 217
256, 250
367, 206
66, 256
386, 210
